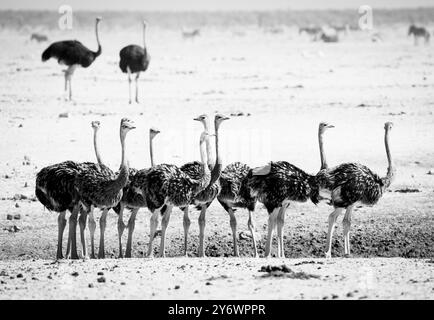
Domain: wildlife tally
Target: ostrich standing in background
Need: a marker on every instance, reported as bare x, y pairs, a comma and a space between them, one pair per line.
134, 198
134, 59
73, 54
275, 185
234, 194
55, 190
352, 183
97, 188
204, 199
419, 32
167, 186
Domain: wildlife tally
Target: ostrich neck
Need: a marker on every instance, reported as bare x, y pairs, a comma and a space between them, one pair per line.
208, 146
217, 169
95, 145
144, 37
151, 149
98, 52
122, 178
324, 164
390, 168
205, 179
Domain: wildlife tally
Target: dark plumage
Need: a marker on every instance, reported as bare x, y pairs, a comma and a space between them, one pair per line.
279, 183
419, 32
234, 194
72, 53
134, 59
348, 184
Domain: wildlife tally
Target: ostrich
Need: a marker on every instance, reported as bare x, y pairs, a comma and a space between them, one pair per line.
167, 186
275, 185
133, 198
73, 54
352, 183
55, 190
419, 32
204, 199
97, 188
234, 194
134, 59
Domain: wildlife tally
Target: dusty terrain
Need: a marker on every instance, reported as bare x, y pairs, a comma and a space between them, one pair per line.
281, 85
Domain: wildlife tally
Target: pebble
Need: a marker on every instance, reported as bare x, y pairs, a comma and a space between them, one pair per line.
177, 287
9, 216
75, 274
20, 275
101, 279
17, 205
64, 115
90, 285
100, 273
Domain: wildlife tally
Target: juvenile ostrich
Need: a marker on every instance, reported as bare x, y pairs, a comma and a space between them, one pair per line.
167, 186
133, 198
55, 190
134, 59
419, 32
234, 194
73, 54
204, 199
351, 183
275, 185
97, 188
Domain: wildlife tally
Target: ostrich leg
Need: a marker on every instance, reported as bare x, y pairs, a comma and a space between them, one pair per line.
131, 226
271, 225
61, 223
251, 226
102, 226
72, 233
164, 224
233, 222
137, 87
92, 227
121, 228
129, 84
82, 224
332, 222
153, 227
346, 223
186, 224
280, 224
202, 222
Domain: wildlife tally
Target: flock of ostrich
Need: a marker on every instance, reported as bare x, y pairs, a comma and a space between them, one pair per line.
82, 187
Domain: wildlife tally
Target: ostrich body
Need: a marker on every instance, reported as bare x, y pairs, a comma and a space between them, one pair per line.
234, 194
204, 199
275, 185
72, 53
134, 59
55, 189
100, 189
419, 32
133, 199
167, 187
351, 183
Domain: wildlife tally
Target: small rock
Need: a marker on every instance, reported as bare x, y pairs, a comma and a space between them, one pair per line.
335, 296
25, 185
90, 285
123, 283
64, 115
197, 291
177, 287
430, 172
75, 274
20, 275
208, 283
100, 273
350, 294
101, 279
20, 125
9, 216
17, 205
17, 216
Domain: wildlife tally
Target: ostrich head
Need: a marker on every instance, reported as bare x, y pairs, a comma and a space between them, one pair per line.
388, 126
219, 118
323, 126
98, 19
145, 23
202, 118
153, 132
95, 125
126, 125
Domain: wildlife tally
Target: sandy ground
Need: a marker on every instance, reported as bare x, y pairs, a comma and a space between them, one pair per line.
283, 85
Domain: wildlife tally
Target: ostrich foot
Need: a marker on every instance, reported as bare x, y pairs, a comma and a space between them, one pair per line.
328, 255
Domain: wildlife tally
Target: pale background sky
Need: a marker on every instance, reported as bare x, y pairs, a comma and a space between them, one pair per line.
210, 4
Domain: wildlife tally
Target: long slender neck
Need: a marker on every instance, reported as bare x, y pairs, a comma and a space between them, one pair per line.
95, 145
324, 164
206, 177
124, 162
151, 148
144, 37
122, 178
98, 52
217, 169
208, 146
390, 167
